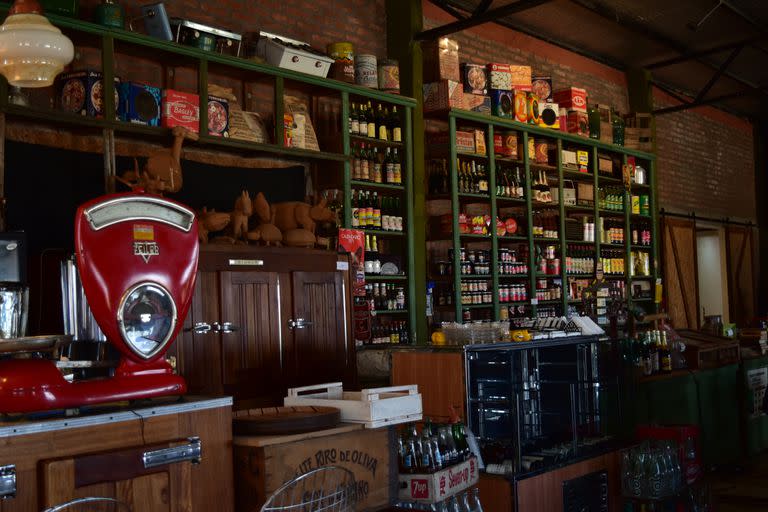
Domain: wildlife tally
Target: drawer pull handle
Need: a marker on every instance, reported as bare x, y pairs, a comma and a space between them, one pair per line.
225, 327
298, 323
187, 452
199, 328
8, 481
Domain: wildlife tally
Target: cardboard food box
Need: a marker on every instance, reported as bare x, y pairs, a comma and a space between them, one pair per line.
436, 487
81, 92
585, 193
505, 144
499, 76
181, 109
572, 98
542, 87
533, 108
475, 78
578, 123
218, 117
477, 103
549, 115
521, 77
521, 106
441, 60
503, 103
568, 160
480, 147
605, 164
582, 158
443, 95
139, 103
439, 141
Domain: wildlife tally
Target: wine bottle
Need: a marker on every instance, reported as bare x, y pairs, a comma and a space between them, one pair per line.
394, 124
382, 123
371, 121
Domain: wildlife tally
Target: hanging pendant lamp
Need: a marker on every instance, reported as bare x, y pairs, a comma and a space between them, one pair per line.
32, 51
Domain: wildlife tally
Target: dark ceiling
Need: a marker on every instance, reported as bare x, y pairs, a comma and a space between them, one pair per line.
723, 44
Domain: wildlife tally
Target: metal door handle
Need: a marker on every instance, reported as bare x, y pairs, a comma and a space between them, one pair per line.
200, 328
8, 481
193, 452
299, 323
224, 327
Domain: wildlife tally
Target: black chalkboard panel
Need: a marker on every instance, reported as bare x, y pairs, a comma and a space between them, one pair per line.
45, 185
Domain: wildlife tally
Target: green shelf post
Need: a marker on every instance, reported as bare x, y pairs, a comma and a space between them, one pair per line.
597, 231
108, 74
627, 236
413, 302
202, 88
455, 219
563, 249
494, 215
347, 220
654, 231
532, 270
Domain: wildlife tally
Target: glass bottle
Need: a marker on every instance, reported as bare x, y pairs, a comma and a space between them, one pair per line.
618, 128
362, 124
396, 132
594, 122
370, 116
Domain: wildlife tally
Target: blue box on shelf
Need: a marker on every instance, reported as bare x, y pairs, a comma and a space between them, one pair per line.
140, 103
503, 103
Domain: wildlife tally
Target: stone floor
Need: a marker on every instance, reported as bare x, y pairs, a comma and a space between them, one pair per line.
742, 489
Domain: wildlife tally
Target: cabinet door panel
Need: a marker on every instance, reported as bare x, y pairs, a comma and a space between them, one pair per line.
319, 352
195, 352
251, 354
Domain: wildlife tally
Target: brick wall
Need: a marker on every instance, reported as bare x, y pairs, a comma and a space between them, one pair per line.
706, 163
705, 157
318, 22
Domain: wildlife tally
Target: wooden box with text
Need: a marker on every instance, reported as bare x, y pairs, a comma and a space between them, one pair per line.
264, 463
436, 487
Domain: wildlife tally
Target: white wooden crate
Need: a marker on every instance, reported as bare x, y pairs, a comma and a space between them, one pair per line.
377, 407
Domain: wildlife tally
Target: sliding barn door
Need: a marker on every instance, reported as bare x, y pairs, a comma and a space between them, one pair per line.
742, 274
680, 272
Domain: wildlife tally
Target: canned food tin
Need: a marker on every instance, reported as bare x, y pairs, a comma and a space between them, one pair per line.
365, 71
645, 206
635, 204
389, 76
343, 55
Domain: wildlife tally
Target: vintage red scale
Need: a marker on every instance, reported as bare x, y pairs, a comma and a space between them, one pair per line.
137, 258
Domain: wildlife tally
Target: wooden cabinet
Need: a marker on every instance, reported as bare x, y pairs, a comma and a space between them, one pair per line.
116, 455
265, 319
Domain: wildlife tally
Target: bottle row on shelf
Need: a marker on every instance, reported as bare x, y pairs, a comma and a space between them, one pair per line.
369, 210
368, 164
381, 124
385, 296
391, 333
468, 501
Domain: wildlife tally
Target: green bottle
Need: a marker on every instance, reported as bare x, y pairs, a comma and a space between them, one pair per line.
110, 14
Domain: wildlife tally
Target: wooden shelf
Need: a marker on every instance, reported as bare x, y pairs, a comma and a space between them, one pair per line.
378, 277
390, 312
376, 186
465, 154
381, 232
377, 142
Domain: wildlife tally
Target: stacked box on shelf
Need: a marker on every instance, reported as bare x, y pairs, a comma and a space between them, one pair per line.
638, 133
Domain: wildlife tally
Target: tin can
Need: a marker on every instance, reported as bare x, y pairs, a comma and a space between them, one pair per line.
365, 71
645, 205
635, 204
541, 149
343, 67
389, 76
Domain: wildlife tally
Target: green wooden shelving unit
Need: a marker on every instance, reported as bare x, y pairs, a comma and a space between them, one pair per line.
490, 124
117, 44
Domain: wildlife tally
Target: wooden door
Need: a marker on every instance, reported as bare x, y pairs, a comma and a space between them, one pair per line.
119, 475
197, 352
319, 352
251, 352
680, 272
740, 251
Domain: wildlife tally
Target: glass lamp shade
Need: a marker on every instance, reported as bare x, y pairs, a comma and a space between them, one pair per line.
32, 51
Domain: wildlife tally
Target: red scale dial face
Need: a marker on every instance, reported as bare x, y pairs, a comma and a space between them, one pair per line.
137, 258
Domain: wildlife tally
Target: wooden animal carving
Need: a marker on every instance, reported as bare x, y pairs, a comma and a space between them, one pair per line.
210, 221
162, 173
265, 230
297, 221
239, 217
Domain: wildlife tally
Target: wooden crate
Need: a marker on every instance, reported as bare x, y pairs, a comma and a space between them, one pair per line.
263, 463
703, 351
638, 132
606, 124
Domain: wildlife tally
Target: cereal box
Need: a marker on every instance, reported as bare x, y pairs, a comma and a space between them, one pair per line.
181, 109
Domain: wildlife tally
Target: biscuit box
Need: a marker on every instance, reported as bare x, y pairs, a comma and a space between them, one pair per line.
542, 86
475, 78
443, 95
499, 76
572, 98
477, 103
181, 109
577, 123
81, 92
140, 103
503, 103
218, 116
441, 60
521, 77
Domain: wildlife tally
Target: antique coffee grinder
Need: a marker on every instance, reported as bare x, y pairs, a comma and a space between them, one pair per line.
137, 259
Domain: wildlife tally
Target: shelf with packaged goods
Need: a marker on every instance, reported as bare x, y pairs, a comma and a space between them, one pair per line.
379, 277
558, 178
514, 201
359, 139
512, 277
641, 247
372, 185
467, 154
